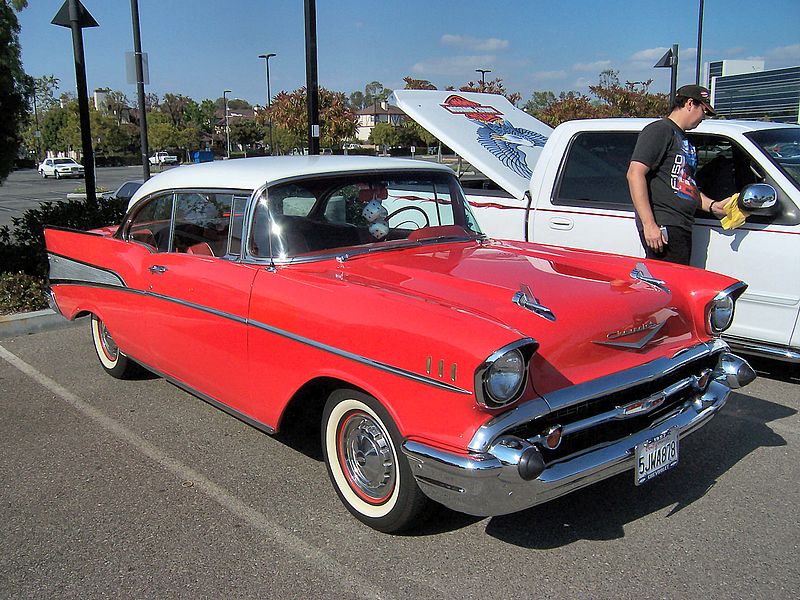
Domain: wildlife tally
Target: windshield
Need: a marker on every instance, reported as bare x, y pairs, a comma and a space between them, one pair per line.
64, 161
782, 146
318, 216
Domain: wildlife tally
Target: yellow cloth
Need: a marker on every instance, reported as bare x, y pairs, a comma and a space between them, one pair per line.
734, 216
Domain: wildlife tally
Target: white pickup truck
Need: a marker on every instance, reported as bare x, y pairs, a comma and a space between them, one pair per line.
567, 186
163, 158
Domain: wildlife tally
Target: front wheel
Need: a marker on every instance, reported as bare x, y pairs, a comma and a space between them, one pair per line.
43, 174
57, 175
361, 445
111, 357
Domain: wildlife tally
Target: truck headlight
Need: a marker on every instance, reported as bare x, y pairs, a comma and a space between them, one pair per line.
719, 312
501, 378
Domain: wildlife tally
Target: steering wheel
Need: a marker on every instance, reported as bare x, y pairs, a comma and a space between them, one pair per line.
413, 208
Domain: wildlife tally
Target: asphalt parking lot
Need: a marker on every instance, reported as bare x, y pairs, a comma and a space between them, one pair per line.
138, 490
25, 189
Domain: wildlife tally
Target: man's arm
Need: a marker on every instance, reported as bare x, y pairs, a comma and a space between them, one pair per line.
715, 207
637, 182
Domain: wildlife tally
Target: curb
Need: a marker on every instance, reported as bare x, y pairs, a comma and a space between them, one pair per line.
33, 322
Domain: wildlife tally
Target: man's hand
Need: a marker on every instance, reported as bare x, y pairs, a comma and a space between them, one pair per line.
654, 238
718, 207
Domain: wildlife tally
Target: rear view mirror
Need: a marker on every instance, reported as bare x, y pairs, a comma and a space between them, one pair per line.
759, 199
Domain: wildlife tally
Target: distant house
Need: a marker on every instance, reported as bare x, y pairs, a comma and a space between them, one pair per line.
103, 104
377, 113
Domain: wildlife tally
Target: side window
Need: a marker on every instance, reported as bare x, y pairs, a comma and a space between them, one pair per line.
151, 224
722, 167
202, 223
595, 169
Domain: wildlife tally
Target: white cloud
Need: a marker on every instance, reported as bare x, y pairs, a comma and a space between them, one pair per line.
473, 43
783, 56
593, 67
650, 54
549, 75
453, 65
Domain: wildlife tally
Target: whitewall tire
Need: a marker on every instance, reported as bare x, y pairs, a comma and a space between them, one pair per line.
361, 445
113, 361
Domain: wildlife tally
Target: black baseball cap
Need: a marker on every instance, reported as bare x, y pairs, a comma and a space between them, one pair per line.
699, 94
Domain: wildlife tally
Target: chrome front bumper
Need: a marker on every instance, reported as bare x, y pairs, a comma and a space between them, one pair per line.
490, 483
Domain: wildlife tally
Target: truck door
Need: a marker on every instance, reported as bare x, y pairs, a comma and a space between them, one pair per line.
763, 252
585, 203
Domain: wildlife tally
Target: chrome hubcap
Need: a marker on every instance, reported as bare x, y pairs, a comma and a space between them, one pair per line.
368, 459
109, 347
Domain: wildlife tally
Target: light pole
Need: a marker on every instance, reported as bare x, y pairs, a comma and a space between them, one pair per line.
483, 73
227, 128
266, 58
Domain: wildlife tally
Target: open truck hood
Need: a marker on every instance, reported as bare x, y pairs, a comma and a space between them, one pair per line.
496, 137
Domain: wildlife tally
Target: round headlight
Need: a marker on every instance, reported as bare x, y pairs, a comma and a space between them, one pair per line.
720, 314
505, 377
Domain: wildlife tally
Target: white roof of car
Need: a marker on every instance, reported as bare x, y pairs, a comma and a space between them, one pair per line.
252, 173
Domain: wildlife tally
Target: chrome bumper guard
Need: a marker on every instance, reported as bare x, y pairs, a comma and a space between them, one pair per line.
51, 301
511, 476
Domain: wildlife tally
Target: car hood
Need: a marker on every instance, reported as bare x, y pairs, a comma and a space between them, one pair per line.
502, 141
604, 319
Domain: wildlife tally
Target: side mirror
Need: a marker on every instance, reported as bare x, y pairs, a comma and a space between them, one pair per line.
759, 198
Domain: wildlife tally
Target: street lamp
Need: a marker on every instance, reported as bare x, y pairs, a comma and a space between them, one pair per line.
227, 127
483, 73
266, 58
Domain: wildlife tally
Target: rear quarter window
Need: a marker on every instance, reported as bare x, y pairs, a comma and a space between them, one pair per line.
595, 168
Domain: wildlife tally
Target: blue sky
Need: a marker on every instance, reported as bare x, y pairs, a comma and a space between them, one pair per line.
201, 47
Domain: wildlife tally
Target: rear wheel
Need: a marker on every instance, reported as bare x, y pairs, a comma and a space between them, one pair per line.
361, 446
111, 357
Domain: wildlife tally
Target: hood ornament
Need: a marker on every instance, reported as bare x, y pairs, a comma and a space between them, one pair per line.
642, 273
525, 298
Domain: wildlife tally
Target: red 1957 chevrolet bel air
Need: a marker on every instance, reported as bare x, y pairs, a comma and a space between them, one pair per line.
440, 365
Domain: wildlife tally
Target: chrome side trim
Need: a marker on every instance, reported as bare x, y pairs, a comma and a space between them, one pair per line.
764, 350
590, 390
206, 398
360, 359
286, 334
68, 269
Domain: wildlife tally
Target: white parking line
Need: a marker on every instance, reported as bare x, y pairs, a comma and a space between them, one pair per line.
257, 520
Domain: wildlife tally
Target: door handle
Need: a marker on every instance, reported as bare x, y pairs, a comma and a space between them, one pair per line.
561, 223
157, 269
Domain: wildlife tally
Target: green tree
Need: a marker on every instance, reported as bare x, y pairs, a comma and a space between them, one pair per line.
418, 84
15, 88
246, 132
539, 101
495, 86
384, 134
202, 115
174, 106
337, 120
284, 140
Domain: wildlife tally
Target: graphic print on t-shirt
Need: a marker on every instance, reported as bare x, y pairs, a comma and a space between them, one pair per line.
682, 174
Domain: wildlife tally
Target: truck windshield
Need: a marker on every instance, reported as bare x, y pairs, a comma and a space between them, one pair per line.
782, 146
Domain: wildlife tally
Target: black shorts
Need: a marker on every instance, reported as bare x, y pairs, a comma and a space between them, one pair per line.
678, 250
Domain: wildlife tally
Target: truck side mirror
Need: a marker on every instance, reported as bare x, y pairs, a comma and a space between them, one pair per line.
760, 199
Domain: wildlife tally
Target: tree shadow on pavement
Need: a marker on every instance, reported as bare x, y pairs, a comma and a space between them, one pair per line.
601, 511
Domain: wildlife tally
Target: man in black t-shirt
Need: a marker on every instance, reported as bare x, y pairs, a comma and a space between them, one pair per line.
661, 179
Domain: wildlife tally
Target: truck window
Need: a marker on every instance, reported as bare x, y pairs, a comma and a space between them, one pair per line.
594, 170
722, 167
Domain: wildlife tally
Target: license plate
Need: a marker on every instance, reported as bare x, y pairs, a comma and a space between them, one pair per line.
656, 455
